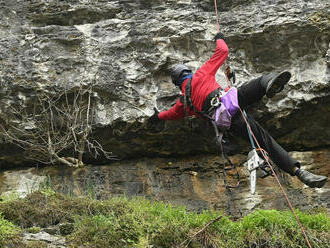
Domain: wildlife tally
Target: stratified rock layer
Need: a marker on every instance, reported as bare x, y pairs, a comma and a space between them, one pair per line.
198, 183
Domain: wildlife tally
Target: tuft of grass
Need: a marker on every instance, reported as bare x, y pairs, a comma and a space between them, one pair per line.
123, 222
8, 233
9, 197
34, 244
34, 229
161, 225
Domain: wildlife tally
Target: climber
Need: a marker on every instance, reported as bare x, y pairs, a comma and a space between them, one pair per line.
200, 89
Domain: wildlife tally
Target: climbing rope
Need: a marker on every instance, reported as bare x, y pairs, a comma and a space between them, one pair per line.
217, 16
263, 151
228, 187
218, 30
278, 181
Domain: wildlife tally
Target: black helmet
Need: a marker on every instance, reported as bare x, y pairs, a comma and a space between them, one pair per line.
177, 72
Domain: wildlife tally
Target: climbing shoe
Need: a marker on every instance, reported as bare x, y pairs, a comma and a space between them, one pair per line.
274, 82
310, 179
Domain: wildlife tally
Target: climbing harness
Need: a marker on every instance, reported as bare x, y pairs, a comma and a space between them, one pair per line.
211, 104
263, 153
219, 106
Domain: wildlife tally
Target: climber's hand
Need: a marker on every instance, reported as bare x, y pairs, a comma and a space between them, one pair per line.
154, 118
219, 36
230, 73
154, 124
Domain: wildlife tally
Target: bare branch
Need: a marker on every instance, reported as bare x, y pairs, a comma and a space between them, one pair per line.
55, 125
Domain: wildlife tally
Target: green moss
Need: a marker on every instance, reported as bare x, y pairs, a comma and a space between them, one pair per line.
8, 232
123, 222
44, 209
35, 244
9, 196
33, 229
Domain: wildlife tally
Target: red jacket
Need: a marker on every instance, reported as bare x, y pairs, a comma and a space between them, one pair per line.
202, 84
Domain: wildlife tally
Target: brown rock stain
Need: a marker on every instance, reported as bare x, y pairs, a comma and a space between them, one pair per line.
209, 189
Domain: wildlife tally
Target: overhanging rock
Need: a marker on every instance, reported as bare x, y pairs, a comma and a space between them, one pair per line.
126, 49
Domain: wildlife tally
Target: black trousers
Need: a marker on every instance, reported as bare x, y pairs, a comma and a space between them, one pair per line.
250, 93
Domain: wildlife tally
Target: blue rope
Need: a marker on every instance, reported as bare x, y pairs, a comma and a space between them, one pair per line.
248, 130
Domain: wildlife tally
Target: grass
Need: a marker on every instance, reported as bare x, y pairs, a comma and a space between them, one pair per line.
8, 232
122, 222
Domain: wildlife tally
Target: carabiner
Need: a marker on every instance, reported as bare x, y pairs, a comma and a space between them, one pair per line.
215, 101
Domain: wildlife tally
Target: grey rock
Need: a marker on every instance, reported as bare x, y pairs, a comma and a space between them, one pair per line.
51, 240
125, 49
52, 230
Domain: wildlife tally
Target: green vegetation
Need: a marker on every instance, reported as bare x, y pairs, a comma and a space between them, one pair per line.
137, 222
8, 232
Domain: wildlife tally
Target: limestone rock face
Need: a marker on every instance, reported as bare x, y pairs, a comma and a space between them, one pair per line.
197, 182
125, 49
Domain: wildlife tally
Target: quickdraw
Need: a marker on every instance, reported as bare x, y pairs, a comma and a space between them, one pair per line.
256, 162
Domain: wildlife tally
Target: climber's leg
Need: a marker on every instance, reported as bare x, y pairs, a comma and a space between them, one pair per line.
277, 154
268, 85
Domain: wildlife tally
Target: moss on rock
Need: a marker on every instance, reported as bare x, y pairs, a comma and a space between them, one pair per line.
9, 233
